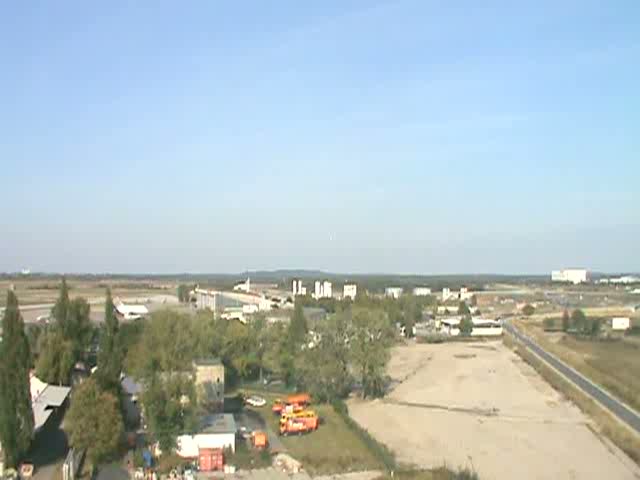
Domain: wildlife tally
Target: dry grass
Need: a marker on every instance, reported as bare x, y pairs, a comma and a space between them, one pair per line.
333, 448
40, 290
618, 433
613, 364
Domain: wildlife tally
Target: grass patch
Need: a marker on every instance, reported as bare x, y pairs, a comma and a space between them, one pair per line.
614, 364
619, 434
379, 450
247, 458
442, 473
334, 448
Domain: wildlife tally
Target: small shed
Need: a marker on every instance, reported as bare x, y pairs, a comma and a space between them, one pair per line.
216, 431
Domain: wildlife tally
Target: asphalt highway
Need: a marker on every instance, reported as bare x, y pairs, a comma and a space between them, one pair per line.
604, 398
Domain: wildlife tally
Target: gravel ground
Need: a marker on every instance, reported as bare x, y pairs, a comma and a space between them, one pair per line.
480, 405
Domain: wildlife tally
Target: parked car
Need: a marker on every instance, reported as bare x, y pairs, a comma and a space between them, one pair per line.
255, 401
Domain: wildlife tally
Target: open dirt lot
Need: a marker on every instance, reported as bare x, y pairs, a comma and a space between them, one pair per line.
480, 405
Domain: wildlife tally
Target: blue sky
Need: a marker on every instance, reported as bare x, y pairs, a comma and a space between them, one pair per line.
380, 136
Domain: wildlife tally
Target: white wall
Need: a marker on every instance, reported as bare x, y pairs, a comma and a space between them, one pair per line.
620, 323
187, 446
421, 291
349, 291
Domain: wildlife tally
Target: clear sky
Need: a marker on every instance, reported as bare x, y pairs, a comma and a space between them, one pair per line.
406, 136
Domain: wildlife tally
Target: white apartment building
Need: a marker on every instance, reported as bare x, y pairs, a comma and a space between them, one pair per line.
421, 291
571, 275
446, 294
394, 292
349, 290
298, 289
322, 289
327, 290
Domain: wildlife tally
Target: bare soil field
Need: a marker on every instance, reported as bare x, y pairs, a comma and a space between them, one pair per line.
480, 405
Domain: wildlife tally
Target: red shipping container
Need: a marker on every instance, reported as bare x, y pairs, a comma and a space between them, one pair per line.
210, 459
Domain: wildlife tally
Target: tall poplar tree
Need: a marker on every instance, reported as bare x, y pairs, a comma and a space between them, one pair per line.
16, 414
110, 355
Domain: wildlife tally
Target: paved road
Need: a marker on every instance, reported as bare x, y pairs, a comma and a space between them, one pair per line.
604, 398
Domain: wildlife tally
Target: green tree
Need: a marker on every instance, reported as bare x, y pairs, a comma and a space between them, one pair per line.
298, 326
94, 422
61, 307
239, 351
170, 408
466, 325
78, 328
369, 344
463, 309
183, 293
110, 354
595, 327
324, 369
579, 320
277, 357
16, 415
565, 321
72, 319
412, 314
528, 310
166, 344
56, 359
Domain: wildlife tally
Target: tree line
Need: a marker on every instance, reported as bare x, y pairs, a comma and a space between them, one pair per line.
94, 420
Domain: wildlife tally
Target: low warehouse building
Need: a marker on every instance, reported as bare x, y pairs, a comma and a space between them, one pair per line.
620, 323
482, 327
216, 431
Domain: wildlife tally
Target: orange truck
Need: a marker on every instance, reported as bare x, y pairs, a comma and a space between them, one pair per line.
298, 423
293, 403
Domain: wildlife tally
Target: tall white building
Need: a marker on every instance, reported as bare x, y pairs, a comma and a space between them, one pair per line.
349, 290
322, 289
446, 294
393, 292
327, 289
571, 275
421, 291
298, 289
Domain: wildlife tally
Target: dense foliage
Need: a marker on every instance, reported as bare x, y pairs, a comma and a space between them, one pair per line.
16, 415
110, 353
66, 341
94, 422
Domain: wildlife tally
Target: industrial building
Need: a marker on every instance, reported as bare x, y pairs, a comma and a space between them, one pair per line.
571, 275
349, 290
482, 327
